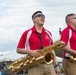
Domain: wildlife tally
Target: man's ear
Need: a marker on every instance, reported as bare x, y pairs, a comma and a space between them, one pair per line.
33, 20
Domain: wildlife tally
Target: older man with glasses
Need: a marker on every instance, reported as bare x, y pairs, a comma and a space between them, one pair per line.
38, 39
68, 35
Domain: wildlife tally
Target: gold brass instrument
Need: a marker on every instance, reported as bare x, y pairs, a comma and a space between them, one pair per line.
29, 61
72, 58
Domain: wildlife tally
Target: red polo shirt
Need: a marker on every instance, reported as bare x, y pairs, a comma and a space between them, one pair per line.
65, 37
35, 42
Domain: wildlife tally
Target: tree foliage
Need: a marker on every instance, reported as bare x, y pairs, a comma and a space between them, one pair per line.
58, 53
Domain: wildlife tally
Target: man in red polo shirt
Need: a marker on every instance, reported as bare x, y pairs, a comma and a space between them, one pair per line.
68, 35
35, 39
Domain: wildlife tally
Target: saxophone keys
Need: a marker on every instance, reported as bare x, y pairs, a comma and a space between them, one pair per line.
33, 59
26, 62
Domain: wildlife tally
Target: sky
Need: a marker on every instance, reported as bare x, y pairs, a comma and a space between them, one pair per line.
15, 18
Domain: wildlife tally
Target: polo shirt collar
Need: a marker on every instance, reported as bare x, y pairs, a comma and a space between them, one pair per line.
71, 28
34, 29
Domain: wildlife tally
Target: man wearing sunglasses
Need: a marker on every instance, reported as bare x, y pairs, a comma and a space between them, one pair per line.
68, 35
37, 38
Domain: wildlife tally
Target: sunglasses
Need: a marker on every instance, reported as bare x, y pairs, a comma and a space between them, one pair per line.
39, 15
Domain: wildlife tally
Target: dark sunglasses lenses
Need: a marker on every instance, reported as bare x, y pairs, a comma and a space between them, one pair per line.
39, 15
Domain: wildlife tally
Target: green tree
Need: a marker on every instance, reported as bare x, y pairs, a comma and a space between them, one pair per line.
58, 53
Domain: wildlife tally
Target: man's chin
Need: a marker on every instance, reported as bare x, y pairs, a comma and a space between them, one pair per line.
41, 24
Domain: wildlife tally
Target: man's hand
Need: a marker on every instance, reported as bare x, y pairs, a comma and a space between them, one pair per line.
34, 53
58, 71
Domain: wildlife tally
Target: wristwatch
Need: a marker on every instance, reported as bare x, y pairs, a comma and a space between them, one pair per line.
56, 65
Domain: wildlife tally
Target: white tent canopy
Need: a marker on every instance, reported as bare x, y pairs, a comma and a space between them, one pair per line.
59, 59
11, 56
14, 55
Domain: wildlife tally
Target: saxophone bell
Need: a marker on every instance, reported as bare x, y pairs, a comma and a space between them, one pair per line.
48, 57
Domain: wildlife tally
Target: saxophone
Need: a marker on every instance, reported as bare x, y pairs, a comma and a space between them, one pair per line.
29, 61
72, 57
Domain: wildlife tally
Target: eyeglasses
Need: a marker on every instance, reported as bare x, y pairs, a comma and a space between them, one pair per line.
39, 15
